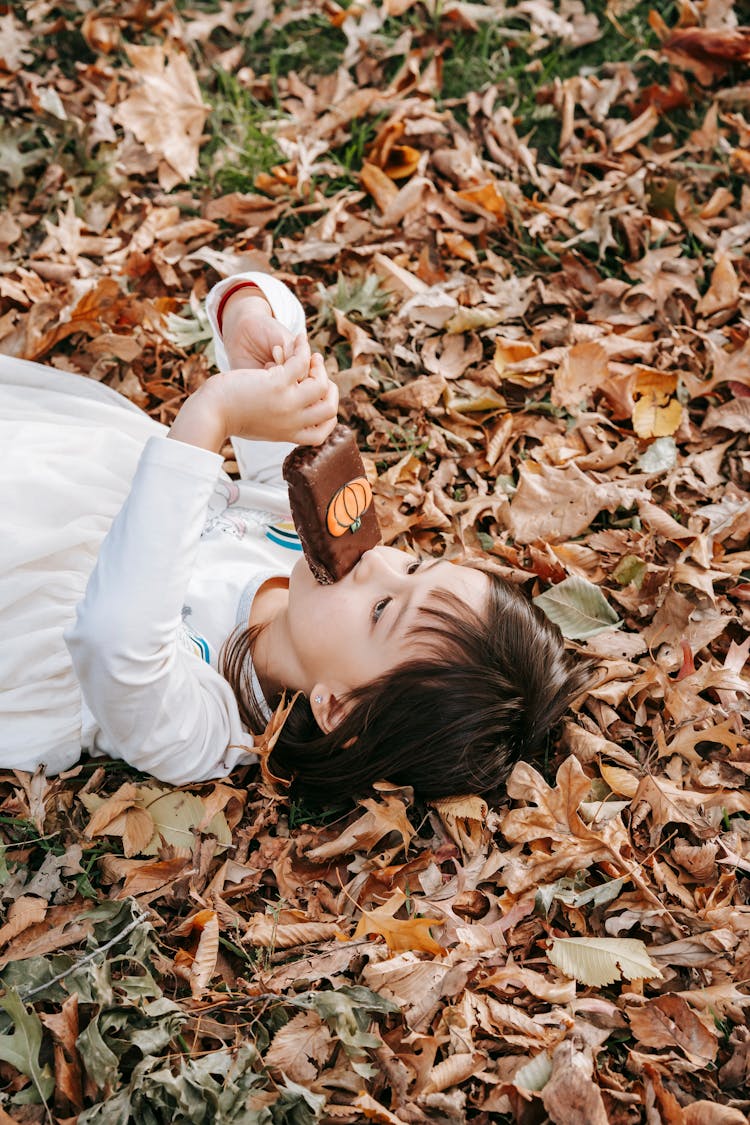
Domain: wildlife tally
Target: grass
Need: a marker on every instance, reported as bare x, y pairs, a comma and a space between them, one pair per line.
304, 45
240, 147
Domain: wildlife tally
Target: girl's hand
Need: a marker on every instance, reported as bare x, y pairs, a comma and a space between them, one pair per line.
250, 332
293, 400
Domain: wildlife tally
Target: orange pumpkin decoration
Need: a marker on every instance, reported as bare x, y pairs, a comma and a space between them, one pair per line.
348, 505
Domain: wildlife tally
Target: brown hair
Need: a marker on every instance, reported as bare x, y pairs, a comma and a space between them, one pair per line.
486, 692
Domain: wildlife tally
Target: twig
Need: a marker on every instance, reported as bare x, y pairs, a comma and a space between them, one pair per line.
25, 996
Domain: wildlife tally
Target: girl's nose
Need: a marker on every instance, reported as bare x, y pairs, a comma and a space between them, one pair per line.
374, 564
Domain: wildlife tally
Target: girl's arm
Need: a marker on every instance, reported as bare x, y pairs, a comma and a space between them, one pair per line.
157, 705
294, 402
237, 340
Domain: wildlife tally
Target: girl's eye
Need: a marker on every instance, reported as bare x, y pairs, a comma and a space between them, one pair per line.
412, 567
377, 609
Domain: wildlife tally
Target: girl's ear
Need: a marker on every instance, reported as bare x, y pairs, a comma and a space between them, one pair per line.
327, 708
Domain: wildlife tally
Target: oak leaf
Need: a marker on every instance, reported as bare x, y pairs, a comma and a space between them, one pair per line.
399, 933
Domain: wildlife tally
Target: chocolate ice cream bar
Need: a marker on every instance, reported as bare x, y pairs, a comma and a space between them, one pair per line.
331, 503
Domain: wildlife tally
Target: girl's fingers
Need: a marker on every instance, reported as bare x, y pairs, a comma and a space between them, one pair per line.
315, 387
297, 366
315, 435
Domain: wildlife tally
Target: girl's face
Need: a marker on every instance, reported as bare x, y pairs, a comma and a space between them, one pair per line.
347, 634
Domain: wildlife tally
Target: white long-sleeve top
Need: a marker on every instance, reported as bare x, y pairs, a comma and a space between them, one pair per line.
175, 574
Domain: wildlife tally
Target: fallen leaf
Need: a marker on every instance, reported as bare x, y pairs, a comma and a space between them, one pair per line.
600, 961
165, 110
667, 1021
400, 934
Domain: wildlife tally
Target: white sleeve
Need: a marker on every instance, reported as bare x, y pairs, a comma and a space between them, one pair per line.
158, 706
258, 460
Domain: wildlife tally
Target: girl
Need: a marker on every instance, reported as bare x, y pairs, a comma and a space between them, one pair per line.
153, 610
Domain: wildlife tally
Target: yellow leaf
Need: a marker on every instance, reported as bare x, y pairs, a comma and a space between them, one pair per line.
488, 197
656, 417
380, 186
400, 934
656, 413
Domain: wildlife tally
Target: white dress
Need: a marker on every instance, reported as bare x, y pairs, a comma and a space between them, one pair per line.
126, 559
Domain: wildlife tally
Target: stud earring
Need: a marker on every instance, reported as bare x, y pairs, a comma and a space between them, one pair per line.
318, 699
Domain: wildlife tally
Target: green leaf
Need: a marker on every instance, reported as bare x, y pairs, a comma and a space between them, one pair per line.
564, 890
535, 1074
600, 961
100, 1061
578, 607
630, 569
21, 1048
348, 1012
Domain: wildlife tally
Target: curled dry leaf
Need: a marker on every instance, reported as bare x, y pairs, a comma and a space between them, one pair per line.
381, 818
465, 820
267, 933
28, 910
203, 965
450, 1072
122, 815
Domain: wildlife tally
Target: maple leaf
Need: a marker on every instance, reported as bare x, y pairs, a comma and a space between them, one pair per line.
166, 111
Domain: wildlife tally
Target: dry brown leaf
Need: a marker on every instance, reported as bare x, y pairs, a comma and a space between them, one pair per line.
556, 504
203, 966
571, 1096
65, 1028
724, 290
668, 1021
267, 933
450, 1072
165, 111
585, 367
712, 1113
465, 820
636, 131
121, 815
301, 1047
382, 818
28, 910
380, 186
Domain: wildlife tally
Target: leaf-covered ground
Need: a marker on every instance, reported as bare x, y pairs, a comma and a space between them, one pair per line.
521, 235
